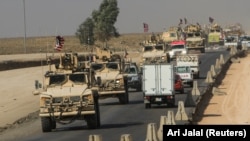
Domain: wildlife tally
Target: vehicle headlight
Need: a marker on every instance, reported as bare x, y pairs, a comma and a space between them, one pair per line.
44, 101
87, 98
163, 57
117, 81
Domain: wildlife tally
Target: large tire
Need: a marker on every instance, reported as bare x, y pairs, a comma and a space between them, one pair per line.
97, 110
46, 124
93, 121
124, 98
139, 87
147, 105
53, 123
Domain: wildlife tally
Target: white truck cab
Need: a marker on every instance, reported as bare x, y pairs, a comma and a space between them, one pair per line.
185, 73
177, 48
190, 60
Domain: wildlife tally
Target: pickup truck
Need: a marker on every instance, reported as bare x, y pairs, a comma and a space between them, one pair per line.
231, 41
186, 74
134, 76
192, 61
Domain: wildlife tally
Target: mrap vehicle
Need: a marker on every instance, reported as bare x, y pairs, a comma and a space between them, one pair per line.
158, 84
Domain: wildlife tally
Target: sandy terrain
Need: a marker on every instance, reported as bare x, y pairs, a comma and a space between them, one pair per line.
232, 108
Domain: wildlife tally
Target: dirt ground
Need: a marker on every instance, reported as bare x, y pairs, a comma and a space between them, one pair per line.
233, 107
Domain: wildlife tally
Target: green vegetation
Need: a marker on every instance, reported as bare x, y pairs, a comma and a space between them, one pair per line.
101, 26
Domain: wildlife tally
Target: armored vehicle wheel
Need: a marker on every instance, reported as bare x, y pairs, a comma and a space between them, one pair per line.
147, 105
191, 84
97, 110
47, 124
124, 99
92, 121
170, 104
53, 123
139, 88
182, 91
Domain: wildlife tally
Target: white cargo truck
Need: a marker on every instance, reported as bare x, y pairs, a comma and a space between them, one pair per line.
158, 84
191, 60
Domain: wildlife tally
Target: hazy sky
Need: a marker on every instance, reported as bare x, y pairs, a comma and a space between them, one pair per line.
52, 17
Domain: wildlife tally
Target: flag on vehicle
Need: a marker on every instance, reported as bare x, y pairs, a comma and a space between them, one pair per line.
185, 21
125, 53
59, 43
145, 26
180, 22
211, 20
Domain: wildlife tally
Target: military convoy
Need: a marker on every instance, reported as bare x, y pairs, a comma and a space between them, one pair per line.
69, 92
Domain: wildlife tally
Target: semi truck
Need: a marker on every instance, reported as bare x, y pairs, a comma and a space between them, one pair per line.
158, 84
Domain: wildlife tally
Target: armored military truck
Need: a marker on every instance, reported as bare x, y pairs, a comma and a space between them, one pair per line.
154, 51
110, 75
69, 93
173, 33
195, 38
215, 35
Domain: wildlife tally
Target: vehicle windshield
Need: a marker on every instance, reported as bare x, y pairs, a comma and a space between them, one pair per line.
159, 47
148, 48
172, 34
96, 67
231, 39
57, 79
62, 78
77, 78
245, 38
112, 66
183, 69
177, 47
130, 70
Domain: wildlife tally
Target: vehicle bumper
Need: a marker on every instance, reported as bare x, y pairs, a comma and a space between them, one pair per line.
73, 113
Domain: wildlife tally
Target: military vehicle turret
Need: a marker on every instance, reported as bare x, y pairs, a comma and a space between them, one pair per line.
69, 93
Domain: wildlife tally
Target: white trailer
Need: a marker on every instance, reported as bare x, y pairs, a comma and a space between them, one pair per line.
158, 84
191, 60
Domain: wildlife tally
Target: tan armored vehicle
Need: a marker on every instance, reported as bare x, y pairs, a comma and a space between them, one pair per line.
172, 34
154, 51
69, 94
195, 38
215, 35
111, 77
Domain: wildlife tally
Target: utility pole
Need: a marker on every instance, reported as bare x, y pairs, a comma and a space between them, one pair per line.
24, 20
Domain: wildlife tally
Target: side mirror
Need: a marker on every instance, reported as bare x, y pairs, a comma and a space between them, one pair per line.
99, 81
37, 84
